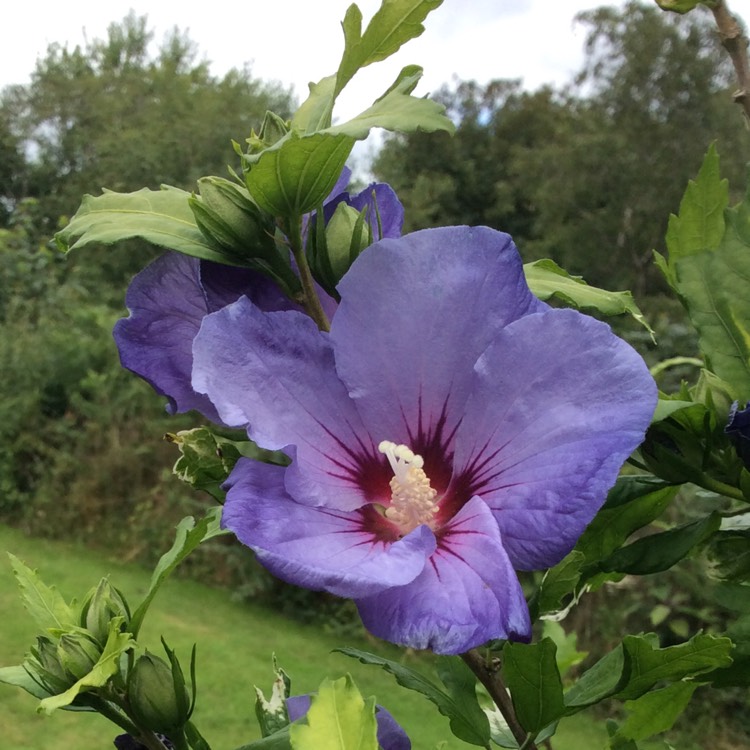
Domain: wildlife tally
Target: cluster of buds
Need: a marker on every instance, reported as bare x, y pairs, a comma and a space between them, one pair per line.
87, 657
64, 657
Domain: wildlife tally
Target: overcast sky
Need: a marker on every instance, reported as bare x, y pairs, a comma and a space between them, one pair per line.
296, 41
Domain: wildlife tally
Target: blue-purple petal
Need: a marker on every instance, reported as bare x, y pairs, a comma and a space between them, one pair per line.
275, 372
738, 430
391, 735
385, 213
415, 315
558, 405
467, 594
341, 184
316, 548
167, 302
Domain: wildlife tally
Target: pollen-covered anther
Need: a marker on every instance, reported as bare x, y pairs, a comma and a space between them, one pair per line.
412, 497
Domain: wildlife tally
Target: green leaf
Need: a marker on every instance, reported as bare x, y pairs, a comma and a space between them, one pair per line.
568, 655
658, 552
557, 583
729, 552
398, 111
461, 685
634, 502
195, 738
656, 711
531, 674
616, 742
709, 268
297, 174
396, 22
713, 287
700, 225
108, 664
44, 603
737, 674
596, 683
502, 735
547, 280
189, 536
500, 732
162, 217
338, 719
18, 676
316, 112
665, 407
645, 665
734, 596
277, 741
462, 724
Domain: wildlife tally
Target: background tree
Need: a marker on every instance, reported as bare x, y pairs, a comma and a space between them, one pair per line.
587, 176
121, 115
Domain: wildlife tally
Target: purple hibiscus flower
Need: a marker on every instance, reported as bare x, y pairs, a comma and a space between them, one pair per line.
450, 428
391, 736
168, 300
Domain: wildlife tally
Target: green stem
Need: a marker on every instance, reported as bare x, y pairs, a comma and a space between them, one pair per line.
179, 741
720, 488
735, 43
735, 513
659, 368
489, 676
108, 711
314, 309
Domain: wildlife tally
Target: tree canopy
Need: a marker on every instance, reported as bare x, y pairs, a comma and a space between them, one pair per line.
587, 175
121, 113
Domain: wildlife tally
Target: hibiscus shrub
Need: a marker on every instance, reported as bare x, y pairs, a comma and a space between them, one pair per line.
407, 423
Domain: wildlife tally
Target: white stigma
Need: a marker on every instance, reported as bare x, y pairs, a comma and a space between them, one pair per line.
412, 499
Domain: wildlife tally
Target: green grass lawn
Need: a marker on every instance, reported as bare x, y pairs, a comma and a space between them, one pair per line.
235, 644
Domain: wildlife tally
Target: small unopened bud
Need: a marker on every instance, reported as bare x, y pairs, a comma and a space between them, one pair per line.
158, 697
78, 653
44, 664
348, 233
103, 604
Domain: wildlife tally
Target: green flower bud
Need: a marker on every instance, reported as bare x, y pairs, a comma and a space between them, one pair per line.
715, 393
273, 129
101, 605
78, 653
347, 235
158, 697
43, 663
230, 219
